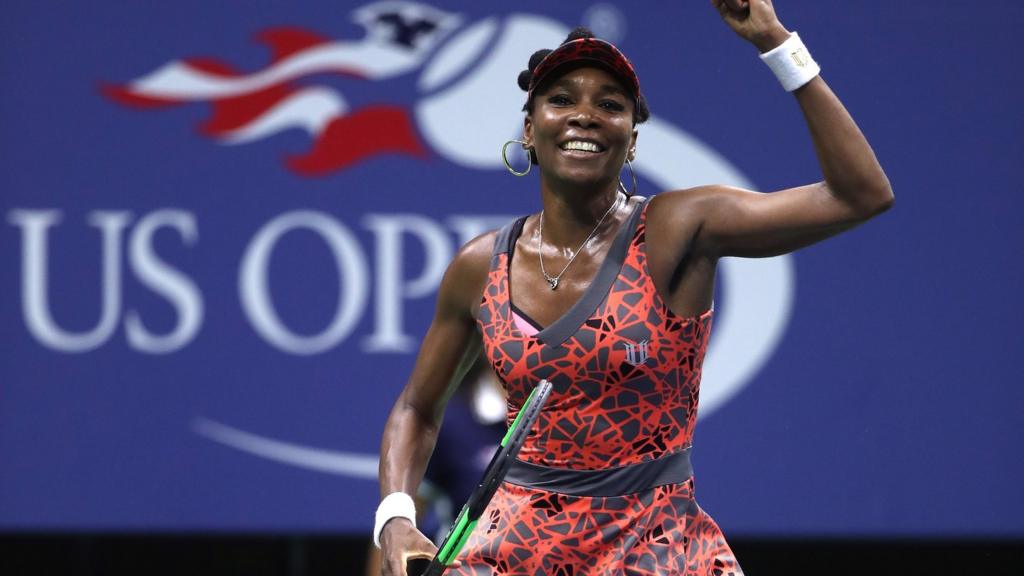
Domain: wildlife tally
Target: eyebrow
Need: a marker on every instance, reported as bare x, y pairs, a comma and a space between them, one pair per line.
603, 89
613, 88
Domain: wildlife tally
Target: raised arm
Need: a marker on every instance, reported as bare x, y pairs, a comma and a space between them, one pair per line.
855, 188
447, 351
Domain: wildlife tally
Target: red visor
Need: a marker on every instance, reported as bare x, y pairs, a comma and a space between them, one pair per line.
585, 50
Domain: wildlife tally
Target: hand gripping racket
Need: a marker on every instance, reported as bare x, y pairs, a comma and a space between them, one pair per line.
493, 475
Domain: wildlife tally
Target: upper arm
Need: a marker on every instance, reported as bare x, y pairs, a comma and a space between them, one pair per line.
451, 343
412, 427
736, 222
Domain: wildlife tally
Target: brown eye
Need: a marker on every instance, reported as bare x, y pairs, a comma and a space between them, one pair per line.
612, 105
559, 100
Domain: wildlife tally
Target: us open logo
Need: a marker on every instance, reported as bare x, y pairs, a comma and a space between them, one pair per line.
459, 65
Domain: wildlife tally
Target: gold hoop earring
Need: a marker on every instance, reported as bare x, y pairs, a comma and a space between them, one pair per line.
633, 176
508, 165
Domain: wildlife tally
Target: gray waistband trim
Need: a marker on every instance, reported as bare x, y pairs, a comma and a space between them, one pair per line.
672, 469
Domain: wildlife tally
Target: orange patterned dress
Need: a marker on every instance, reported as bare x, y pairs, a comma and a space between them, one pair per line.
603, 485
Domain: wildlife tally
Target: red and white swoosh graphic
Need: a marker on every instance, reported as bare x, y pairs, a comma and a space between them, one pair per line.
248, 107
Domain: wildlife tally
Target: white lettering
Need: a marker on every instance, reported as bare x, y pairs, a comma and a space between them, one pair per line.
166, 281
35, 286
254, 288
388, 335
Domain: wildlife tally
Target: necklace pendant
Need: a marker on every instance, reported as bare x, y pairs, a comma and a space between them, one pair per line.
553, 281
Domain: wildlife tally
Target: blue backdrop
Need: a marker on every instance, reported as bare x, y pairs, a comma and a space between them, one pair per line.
224, 226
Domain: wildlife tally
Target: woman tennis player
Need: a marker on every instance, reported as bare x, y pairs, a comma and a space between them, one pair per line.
608, 295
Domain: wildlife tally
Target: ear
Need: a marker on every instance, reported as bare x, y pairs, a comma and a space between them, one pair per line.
631, 155
528, 129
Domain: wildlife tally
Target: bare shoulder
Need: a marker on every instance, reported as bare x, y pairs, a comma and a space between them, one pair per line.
474, 258
463, 282
678, 215
694, 201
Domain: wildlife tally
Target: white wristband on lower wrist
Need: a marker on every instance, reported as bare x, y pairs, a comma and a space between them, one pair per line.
791, 63
394, 505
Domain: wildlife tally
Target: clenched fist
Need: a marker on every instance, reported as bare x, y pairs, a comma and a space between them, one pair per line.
754, 20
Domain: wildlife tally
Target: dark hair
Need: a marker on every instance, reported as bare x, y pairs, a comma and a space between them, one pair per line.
640, 114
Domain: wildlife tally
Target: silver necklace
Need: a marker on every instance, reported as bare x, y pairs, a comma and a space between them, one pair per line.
553, 280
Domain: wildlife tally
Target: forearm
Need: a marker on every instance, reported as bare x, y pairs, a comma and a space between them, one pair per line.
411, 432
851, 172
848, 163
409, 439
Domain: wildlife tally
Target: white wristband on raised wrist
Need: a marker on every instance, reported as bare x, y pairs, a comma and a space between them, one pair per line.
394, 505
791, 63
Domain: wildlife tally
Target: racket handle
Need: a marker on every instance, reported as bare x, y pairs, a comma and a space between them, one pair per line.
435, 569
424, 567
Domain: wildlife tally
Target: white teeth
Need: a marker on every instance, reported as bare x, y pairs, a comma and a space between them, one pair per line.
578, 145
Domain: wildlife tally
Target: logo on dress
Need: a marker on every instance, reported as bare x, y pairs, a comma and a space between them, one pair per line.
636, 352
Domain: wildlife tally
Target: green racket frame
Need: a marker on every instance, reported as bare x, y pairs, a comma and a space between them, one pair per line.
493, 475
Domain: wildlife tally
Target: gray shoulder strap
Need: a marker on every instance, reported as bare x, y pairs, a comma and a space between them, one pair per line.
507, 236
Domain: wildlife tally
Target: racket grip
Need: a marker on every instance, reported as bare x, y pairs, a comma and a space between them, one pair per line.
424, 567
435, 569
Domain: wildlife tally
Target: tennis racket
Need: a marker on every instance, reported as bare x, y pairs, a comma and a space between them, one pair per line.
493, 475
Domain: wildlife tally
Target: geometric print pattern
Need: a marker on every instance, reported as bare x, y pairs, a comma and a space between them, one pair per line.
660, 531
604, 411
610, 406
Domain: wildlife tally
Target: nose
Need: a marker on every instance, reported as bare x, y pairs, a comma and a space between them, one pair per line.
584, 116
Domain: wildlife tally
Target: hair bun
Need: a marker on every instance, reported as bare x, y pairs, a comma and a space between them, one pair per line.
537, 57
579, 32
524, 80
526, 76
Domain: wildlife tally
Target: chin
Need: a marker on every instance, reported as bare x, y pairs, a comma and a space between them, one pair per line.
583, 178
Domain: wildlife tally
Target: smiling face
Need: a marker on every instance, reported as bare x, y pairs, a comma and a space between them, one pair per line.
581, 128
